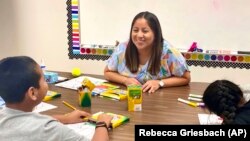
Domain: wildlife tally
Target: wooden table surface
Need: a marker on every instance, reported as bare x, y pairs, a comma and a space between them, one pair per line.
161, 107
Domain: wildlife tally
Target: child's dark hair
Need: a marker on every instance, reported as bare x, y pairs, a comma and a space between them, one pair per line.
17, 75
223, 97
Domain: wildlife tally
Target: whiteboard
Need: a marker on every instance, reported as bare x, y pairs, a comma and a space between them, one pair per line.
213, 24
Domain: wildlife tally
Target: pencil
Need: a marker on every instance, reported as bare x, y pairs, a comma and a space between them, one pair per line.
68, 105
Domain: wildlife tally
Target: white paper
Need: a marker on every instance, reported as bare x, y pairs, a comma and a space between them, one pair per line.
2, 103
246, 91
209, 119
76, 82
84, 128
60, 78
43, 107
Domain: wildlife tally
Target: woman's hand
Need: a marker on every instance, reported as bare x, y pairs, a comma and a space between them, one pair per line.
151, 86
130, 81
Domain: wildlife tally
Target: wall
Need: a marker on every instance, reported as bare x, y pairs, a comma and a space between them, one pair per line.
39, 29
8, 28
213, 24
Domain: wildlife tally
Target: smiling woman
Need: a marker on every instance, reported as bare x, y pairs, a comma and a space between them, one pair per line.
161, 64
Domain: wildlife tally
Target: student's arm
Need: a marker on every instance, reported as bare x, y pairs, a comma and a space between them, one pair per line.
114, 76
74, 117
101, 133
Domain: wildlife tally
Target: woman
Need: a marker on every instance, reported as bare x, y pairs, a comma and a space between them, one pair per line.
226, 99
147, 59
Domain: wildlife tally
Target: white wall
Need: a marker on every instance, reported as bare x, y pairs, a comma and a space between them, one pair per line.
213, 24
8, 28
38, 28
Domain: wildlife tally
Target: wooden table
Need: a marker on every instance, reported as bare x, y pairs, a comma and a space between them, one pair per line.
161, 107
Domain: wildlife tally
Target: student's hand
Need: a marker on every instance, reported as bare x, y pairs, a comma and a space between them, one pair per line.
151, 86
106, 118
76, 116
131, 81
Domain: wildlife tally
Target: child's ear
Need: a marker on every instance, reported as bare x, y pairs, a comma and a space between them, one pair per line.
32, 93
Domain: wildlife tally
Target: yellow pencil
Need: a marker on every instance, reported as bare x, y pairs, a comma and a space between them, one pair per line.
68, 105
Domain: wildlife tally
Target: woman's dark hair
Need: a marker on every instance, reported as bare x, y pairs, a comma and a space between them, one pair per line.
17, 75
131, 54
222, 97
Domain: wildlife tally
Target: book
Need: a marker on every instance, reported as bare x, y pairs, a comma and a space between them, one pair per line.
51, 95
115, 122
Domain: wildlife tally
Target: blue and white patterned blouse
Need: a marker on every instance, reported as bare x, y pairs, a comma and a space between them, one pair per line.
170, 56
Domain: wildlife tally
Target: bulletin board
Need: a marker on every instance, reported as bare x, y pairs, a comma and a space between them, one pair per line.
213, 24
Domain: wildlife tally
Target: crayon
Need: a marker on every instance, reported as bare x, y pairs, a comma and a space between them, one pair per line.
195, 95
194, 99
201, 104
188, 102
